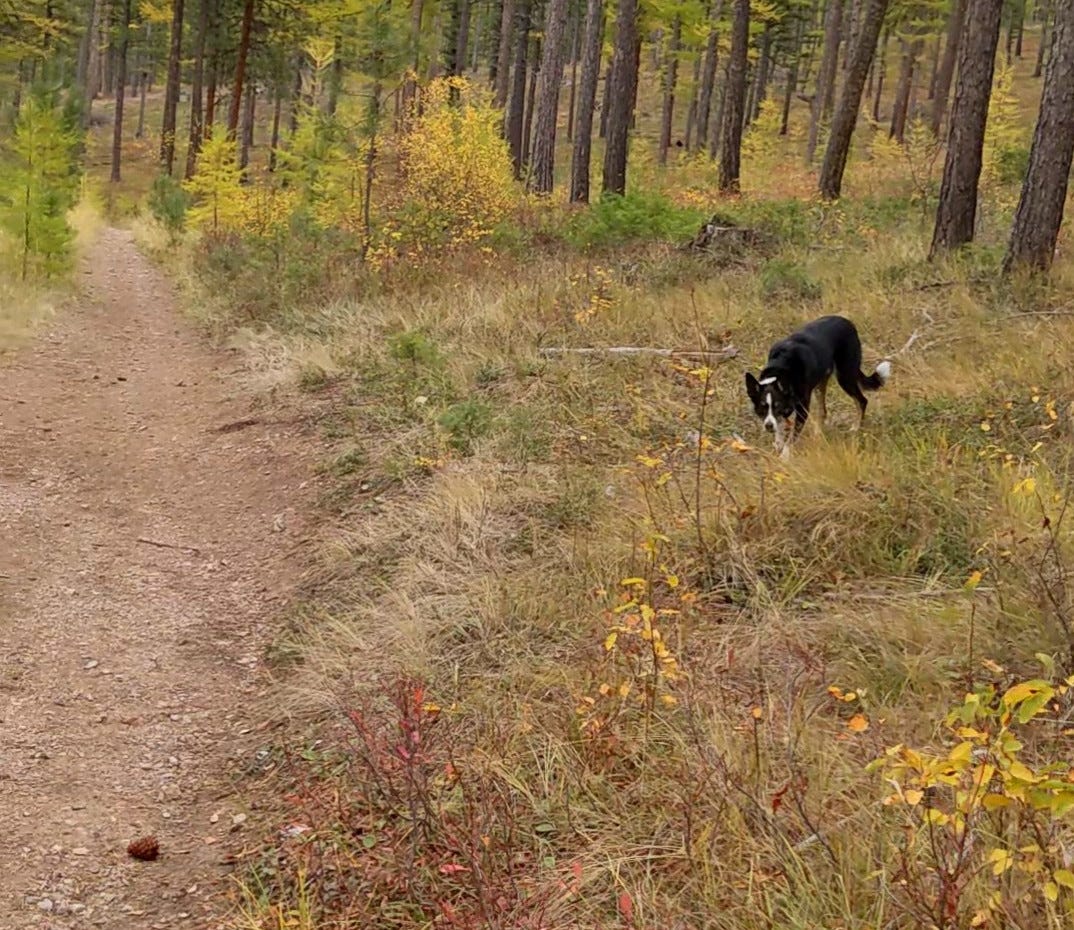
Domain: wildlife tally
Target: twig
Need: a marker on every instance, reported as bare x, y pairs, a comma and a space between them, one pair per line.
723, 354
236, 425
164, 545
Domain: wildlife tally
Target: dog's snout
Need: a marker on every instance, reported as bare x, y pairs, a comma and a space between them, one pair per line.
769, 425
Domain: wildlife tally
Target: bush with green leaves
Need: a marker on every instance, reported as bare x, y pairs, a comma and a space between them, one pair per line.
168, 203
636, 217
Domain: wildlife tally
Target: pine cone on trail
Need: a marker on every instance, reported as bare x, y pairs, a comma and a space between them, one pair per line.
147, 849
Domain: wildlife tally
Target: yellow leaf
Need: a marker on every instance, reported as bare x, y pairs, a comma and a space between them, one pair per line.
986, 426
624, 689
669, 699
1051, 891
605, 689
757, 713
980, 918
633, 582
1064, 877
1026, 486
836, 692
1021, 772
672, 581
1001, 861
991, 802
913, 796
609, 642
648, 461
961, 753
973, 580
737, 445
850, 696
858, 723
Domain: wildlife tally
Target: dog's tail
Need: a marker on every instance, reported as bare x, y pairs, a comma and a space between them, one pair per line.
877, 379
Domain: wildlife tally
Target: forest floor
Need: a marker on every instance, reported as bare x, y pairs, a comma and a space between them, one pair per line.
149, 518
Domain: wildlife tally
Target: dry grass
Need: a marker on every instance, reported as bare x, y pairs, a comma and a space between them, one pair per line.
489, 502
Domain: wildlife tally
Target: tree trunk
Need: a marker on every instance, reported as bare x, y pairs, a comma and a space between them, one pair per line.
572, 99
249, 111
1044, 190
708, 76
934, 71
619, 97
764, 67
194, 145
587, 99
881, 70
276, 111
531, 100
121, 89
846, 113
84, 46
734, 98
824, 93
410, 81
544, 140
516, 110
957, 209
143, 84
901, 107
691, 107
171, 90
671, 76
792, 75
503, 55
716, 123
946, 71
335, 77
240, 69
210, 89
463, 38
1046, 18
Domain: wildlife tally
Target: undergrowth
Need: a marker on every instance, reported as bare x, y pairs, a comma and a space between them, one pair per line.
580, 651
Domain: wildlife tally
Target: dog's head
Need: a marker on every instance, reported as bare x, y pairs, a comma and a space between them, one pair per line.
772, 401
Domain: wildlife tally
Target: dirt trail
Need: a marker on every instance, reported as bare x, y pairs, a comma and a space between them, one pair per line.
128, 669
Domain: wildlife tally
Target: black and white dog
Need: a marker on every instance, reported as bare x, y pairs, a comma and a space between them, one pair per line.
800, 365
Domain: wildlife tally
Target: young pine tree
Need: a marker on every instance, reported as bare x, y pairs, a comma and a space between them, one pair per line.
38, 185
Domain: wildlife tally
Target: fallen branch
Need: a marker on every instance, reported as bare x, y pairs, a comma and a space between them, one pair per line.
164, 545
719, 355
236, 425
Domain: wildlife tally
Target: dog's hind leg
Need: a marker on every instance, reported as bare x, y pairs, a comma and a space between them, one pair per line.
849, 383
821, 393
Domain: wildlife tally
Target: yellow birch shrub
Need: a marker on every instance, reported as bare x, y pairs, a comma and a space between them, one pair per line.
457, 179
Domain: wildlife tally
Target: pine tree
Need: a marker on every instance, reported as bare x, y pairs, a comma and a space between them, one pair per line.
39, 185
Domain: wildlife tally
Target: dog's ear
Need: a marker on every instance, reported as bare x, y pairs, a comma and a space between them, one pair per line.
753, 388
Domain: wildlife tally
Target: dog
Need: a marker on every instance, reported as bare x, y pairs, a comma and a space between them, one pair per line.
800, 366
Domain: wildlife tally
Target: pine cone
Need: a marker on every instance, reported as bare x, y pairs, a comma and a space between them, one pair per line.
147, 849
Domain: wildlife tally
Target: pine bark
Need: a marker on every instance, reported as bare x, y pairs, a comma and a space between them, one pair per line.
544, 139
946, 71
237, 84
587, 99
194, 143
121, 89
516, 108
957, 209
734, 105
1046, 18
671, 76
171, 89
846, 113
911, 48
502, 83
619, 97
1044, 190
708, 76
824, 94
